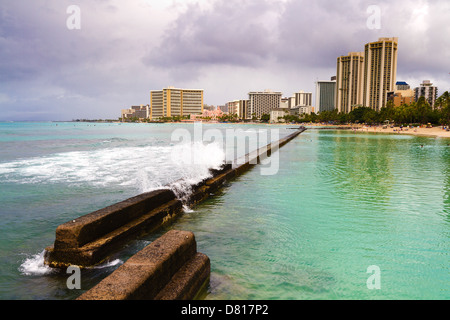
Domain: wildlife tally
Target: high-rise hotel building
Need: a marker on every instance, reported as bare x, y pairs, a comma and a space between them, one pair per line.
303, 98
365, 78
262, 102
428, 91
349, 81
170, 102
325, 95
380, 71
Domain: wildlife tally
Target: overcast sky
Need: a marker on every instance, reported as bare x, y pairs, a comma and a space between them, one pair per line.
124, 49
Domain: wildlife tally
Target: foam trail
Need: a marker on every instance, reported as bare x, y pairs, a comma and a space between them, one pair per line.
108, 264
186, 209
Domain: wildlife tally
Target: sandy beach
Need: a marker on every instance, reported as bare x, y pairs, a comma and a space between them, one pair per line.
437, 132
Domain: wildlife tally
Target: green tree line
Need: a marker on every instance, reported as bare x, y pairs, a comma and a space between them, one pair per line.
419, 112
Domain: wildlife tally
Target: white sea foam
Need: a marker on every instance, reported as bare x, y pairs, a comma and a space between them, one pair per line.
35, 265
186, 209
108, 264
144, 168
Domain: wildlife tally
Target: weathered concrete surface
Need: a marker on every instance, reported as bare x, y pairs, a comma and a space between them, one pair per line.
189, 281
169, 268
88, 240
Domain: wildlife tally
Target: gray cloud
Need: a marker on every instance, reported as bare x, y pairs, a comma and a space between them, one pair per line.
126, 49
233, 32
95, 70
303, 37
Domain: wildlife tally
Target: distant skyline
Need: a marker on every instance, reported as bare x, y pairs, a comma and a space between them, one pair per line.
124, 49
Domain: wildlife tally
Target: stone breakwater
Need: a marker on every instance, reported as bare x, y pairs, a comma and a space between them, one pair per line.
89, 240
170, 268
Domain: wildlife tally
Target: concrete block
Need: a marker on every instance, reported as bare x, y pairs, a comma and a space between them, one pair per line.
169, 268
90, 239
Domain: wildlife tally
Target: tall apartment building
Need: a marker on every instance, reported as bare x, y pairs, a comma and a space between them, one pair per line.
349, 81
172, 101
366, 78
262, 102
244, 109
239, 108
233, 107
138, 112
428, 91
325, 95
303, 98
380, 71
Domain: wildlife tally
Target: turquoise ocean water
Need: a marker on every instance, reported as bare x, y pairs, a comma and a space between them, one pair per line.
339, 203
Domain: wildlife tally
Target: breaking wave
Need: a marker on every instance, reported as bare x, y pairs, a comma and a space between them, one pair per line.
143, 168
35, 265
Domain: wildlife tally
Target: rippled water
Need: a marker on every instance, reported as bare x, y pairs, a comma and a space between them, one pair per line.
51, 173
340, 202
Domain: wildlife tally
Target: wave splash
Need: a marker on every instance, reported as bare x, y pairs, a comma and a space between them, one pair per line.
35, 265
144, 168
149, 168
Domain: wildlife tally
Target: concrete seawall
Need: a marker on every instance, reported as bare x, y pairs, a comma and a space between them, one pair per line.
170, 268
92, 238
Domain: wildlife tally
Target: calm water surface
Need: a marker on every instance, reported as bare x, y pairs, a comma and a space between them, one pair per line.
340, 202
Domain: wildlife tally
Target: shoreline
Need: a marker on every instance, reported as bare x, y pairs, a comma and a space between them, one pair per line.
434, 132
420, 131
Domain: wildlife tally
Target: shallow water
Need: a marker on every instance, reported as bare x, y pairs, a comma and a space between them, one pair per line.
339, 203
342, 202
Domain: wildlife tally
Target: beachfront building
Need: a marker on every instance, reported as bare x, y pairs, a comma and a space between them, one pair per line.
403, 94
136, 112
300, 111
349, 81
428, 91
303, 98
366, 78
285, 103
380, 71
233, 107
262, 102
398, 99
170, 102
208, 115
244, 109
401, 87
325, 95
276, 115
239, 108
